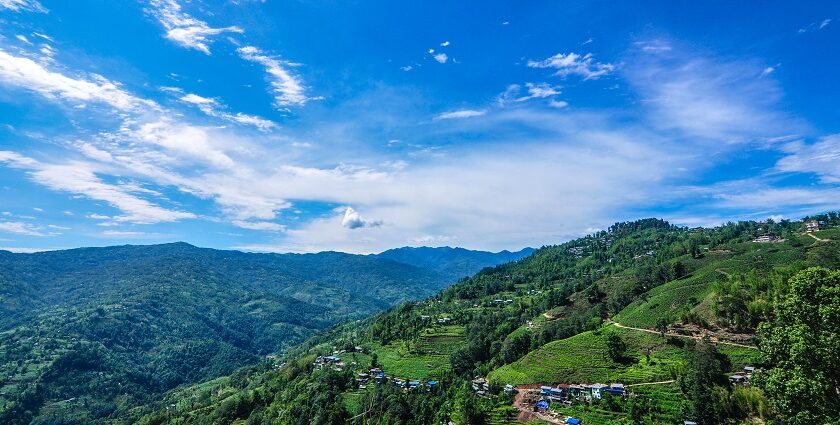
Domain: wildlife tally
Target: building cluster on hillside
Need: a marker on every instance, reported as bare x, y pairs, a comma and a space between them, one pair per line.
378, 376
569, 392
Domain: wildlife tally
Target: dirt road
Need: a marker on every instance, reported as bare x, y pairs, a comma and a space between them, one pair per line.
714, 339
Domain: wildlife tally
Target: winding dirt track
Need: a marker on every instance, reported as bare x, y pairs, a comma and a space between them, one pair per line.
715, 340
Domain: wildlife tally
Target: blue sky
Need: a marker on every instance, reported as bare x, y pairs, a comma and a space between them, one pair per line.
359, 126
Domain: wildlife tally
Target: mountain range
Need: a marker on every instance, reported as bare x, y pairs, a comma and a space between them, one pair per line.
117, 325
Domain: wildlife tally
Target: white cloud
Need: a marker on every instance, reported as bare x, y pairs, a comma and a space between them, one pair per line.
568, 64
768, 70
559, 104
184, 29
21, 228
539, 91
122, 234
259, 225
653, 46
407, 68
821, 158
815, 26
353, 220
462, 113
23, 5
80, 178
513, 93
26, 73
441, 57
23, 38
214, 108
445, 43
721, 101
287, 88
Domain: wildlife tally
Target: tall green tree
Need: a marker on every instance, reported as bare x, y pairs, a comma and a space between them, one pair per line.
802, 345
703, 374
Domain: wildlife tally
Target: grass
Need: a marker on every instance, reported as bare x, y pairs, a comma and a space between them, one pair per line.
676, 297
424, 359
353, 400
583, 359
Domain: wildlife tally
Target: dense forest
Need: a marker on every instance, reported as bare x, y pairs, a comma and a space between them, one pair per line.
95, 333
734, 324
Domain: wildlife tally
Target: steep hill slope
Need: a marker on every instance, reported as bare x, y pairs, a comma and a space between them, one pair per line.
554, 317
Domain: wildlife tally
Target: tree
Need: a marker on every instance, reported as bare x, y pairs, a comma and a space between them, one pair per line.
702, 376
616, 348
802, 346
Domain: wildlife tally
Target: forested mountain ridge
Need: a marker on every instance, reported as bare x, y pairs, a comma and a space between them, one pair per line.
111, 327
454, 263
666, 310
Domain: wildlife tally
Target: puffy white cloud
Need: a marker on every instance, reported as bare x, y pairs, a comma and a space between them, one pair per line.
353, 220
574, 64
288, 89
441, 57
184, 29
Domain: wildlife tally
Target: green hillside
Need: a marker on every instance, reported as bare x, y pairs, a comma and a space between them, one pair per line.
682, 306
95, 332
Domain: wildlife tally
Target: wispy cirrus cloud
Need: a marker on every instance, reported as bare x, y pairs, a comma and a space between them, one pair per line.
24, 72
821, 158
567, 64
287, 88
461, 113
214, 108
80, 178
21, 228
23, 5
183, 29
815, 26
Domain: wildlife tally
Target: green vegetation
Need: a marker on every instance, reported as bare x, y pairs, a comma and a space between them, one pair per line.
669, 312
94, 333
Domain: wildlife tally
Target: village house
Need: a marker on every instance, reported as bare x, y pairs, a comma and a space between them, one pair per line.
479, 384
597, 390
766, 238
738, 379
812, 226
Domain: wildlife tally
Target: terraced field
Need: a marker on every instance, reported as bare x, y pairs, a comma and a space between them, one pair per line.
583, 359
423, 359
